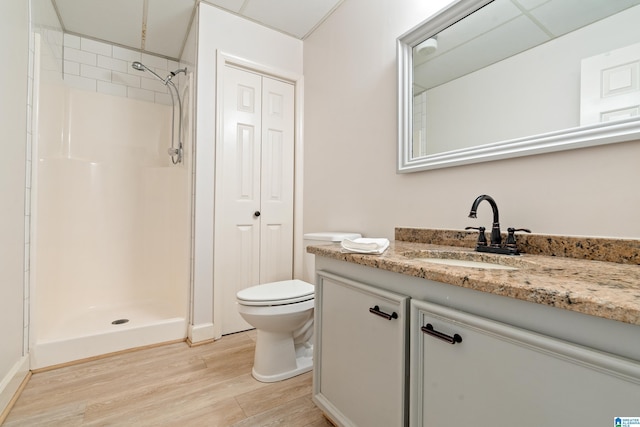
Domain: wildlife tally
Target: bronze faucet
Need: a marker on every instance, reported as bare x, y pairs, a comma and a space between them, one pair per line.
495, 245
496, 237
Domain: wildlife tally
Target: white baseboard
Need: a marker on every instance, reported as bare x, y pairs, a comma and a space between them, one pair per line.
199, 333
11, 382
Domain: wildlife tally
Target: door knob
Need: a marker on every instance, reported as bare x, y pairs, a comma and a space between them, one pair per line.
256, 214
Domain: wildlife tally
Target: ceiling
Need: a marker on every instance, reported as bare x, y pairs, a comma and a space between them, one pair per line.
160, 27
502, 29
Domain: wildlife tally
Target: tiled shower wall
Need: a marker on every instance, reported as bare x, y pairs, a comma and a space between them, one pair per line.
101, 67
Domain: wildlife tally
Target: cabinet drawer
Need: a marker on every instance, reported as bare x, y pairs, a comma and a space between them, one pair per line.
360, 353
498, 375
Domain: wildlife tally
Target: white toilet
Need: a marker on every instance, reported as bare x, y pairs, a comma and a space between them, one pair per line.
282, 313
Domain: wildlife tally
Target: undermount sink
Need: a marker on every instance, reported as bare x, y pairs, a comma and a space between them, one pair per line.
468, 259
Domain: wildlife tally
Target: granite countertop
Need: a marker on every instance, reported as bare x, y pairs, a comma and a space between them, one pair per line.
587, 285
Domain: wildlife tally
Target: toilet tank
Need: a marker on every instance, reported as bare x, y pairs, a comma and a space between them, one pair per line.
322, 238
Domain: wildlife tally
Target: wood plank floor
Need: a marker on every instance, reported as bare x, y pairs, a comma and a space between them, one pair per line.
172, 385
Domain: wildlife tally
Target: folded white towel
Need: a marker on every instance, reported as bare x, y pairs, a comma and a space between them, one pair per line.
365, 245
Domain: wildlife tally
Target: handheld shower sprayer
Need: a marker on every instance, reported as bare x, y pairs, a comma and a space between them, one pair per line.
174, 152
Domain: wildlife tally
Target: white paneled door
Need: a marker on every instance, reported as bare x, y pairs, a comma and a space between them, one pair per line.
610, 86
254, 188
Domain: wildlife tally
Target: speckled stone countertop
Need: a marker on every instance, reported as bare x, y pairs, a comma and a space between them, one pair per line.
584, 284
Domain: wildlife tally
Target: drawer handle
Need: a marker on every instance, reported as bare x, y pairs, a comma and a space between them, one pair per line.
444, 337
376, 310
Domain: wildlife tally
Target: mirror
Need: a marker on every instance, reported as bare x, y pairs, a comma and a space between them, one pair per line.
492, 79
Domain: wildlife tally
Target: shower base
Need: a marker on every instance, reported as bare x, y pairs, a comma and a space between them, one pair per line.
99, 331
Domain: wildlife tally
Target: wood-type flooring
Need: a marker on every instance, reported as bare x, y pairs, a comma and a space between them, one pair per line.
170, 385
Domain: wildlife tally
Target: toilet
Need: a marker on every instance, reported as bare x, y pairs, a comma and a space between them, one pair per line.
282, 313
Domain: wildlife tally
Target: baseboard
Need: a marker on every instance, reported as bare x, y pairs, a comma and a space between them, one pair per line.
12, 384
200, 334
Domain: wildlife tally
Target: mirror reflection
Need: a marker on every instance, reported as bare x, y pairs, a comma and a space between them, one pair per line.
514, 69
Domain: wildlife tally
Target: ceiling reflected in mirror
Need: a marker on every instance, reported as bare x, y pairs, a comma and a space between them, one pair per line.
484, 80
507, 28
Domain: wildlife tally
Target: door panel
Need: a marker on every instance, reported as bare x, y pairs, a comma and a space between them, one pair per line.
237, 230
276, 252
610, 86
254, 173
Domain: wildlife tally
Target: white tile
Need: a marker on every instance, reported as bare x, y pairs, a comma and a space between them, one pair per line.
27, 257
153, 61
80, 82
71, 67
112, 64
93, 46
125, 79
28, 174
97, 73
29, 94
141, 94
57, 37
112, 89
72, 41
126, 54
27, 290
71, 54
29, 117
29, 148
27, 217
30, 65
173, 65
153, 84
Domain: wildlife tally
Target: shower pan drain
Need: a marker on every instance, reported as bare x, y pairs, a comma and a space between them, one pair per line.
119, 321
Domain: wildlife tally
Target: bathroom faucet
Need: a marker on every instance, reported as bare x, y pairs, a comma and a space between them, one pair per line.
495, 245
496, 237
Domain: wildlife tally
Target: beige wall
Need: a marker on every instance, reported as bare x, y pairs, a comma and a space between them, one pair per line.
14, 49
220, 31
350, 150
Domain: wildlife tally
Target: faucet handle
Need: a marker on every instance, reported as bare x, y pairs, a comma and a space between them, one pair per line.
511, 237
482, 239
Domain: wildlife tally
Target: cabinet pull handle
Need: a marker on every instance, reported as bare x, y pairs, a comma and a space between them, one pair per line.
444, 337
376, 310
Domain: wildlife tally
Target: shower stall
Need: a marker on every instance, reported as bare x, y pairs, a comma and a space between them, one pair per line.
111, 223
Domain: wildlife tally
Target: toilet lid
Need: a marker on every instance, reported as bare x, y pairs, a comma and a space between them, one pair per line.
276, 293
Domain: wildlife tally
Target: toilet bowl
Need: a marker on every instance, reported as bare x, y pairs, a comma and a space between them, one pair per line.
282, 313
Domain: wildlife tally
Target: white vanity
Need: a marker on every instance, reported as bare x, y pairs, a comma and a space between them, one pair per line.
396, 349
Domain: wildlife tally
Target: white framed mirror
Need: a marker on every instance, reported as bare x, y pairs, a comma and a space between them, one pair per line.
492, 79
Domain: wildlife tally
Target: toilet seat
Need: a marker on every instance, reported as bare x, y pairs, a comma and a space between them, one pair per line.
276, 293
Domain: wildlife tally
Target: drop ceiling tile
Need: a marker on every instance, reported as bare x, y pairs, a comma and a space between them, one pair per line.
167, 26
476, 25
295, 17
118, 21
501, 42
231, 5
560, 17
530, 4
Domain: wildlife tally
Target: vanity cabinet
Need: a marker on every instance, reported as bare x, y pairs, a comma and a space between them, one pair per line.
360, 353
494, 374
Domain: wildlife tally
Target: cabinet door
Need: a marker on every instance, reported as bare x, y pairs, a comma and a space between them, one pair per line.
359, 375
499, 375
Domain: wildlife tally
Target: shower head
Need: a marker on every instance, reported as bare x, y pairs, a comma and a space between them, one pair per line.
141, 67
138, 66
